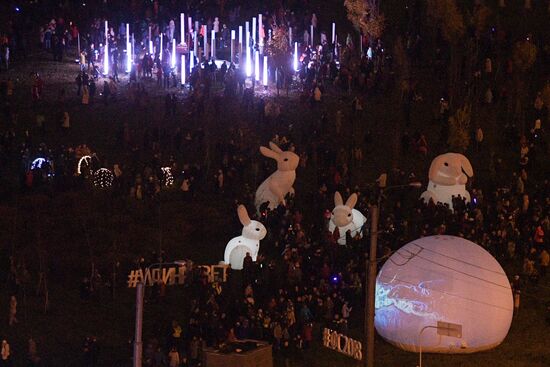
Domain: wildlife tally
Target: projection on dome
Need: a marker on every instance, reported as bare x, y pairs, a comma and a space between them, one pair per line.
443, 279
448, 175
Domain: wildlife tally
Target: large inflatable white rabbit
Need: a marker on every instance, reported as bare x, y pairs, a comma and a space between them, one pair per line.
248, 241
448, 175
346, 218
279, 184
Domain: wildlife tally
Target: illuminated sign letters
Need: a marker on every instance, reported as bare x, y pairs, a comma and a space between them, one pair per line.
342, 344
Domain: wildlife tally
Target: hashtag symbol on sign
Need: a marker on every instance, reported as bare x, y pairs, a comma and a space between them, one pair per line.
133, 279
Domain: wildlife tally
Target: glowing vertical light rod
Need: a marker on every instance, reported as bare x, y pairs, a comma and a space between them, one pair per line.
248, 59
106, 51
295, 56
213, 45
195, 42
182, 28
333, 32
254, 31
161, 46
205, 42
150, 42
191, 61
240, 42
260, 31
232, 46
183, 70
173, 61
265, 71
128, 49
311, 29
290, 36
247, 34
257, 66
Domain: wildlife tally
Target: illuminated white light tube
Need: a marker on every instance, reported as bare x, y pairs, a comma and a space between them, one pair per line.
150, 42
248, 62
195, 42
290, 36
311, 29
265, 71
240, 41
257, 66
247, 33
254, 30
106, 51
333, 32
182, 28
213, 45
173, 61
295, 56
191, 61
190, 24
205, 39
128, 49
161, 46
232, 45
260, 25
183, 70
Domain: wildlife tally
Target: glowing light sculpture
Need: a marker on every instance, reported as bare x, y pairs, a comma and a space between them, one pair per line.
346, 218
249, 241
128, 49
248, 59
274, 188
150, 42
191, 61
182, 28
265, 71
183, 70
232, 45
448, 175
103, 178
257, 66
213, 45
167, 176
333, 32
173, 60
443, 278
195, 43
205, 42
260, 31
38, 163
295, 56
253, 31
161, 46
106, 51
86, 161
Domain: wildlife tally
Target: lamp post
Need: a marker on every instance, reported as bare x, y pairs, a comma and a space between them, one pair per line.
138, 343
372, 267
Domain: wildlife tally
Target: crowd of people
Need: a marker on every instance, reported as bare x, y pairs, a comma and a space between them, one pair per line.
303, 279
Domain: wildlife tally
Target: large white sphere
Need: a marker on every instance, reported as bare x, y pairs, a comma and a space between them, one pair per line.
448, 279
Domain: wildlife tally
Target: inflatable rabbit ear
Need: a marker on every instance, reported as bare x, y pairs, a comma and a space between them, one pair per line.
269, 153
275, 147
466, 166
243, 215
352, 200
338, 199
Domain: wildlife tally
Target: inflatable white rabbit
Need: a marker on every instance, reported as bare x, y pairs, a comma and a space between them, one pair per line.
279, 184
346, 218
248, 241
448, 175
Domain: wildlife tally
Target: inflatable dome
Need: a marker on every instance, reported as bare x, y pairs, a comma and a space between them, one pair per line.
443, 279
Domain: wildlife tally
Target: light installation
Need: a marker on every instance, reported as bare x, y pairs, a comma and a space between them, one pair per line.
346, 218
295, 56
85, 161
248, 59
183, 70
240, 42
253, 30
103, 178
106, 51
232, 45
150, 42
173, 61
256, 66
161, 51
191, 61
38, 163
128, 49
213, 45
265, 71
182, 28
443, 279
167, 176
195, 43
205, 42
260, 31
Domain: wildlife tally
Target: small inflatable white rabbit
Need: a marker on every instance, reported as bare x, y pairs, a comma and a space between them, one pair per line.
449, 174
346, 218
279, 184
248, 241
